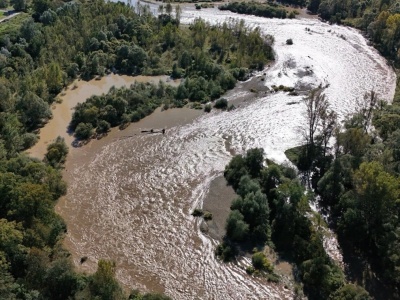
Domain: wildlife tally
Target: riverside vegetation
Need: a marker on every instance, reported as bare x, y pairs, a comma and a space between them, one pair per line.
41, 53
273, 209
358, 184
209, 58
267, 10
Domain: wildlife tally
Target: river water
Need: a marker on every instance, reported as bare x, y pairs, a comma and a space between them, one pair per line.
130, 195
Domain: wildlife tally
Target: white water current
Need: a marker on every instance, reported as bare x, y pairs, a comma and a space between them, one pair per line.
130, 200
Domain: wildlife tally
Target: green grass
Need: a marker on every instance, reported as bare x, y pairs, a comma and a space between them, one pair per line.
13, 24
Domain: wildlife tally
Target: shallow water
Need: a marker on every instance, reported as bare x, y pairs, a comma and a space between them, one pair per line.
130, 195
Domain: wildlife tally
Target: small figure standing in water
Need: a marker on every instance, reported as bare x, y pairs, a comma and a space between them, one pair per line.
163, 131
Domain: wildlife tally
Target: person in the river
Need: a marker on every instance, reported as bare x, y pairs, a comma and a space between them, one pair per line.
163, 131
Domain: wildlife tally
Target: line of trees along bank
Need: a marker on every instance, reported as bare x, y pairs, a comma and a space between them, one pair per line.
359, 185
266, 10
272, 209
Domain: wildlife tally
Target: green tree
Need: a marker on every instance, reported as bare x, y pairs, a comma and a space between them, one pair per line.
56, 152
11, 133
19, 5
84, 131
371, 205
236, 228
350, 292
254, 160
34, 110
103, 283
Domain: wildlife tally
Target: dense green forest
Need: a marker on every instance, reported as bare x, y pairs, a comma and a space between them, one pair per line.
267, 10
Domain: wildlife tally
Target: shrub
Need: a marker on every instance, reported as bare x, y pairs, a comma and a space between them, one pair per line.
56, 152
196, 105
103, 126
292, 15
225, 251
261, 262
221, 103
135, 116
207, 108
207, 216
83, 131
198, 212
29, 139
250, 270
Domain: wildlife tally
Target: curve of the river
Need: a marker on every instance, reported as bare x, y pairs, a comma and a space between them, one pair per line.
130, 199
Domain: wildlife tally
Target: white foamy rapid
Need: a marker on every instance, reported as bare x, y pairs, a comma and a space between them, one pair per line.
131, 200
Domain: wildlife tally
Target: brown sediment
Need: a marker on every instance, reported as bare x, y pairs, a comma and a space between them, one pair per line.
158, 120
218, 201
76, 93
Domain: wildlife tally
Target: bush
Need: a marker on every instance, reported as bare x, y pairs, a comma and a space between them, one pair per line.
56, 152
207, 216
29, 139
261, 262
226, 251
83, 131
221, 103
196, 105
207, 108
198, 212
103, 126
250, 270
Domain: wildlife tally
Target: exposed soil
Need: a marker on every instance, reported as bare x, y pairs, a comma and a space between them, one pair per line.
218, 201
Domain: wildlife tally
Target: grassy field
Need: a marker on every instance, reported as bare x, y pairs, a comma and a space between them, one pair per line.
12, 24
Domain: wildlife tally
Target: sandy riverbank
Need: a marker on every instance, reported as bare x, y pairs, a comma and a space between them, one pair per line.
217, 201
75, 93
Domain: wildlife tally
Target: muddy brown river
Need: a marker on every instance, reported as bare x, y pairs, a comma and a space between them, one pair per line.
130, 194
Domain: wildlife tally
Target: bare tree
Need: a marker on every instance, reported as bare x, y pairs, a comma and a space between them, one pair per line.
365, 108
316, 108
178, 13
328, 127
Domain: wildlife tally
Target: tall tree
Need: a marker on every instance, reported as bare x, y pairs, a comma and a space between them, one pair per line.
316, 107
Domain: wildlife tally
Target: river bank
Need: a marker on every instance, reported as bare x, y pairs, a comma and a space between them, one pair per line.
78, 92
217, 201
